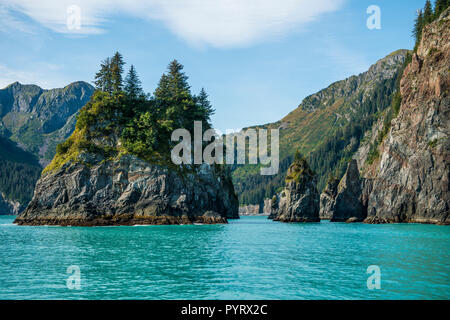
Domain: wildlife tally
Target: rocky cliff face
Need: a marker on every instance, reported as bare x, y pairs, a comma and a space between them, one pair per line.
129, 191
9, 206
249, 210
411, 180
320, 121
39, 119
299, 201
347, 205
327, 199
36, 120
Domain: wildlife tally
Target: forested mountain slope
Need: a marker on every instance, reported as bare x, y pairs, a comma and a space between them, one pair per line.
33, 121
327, 127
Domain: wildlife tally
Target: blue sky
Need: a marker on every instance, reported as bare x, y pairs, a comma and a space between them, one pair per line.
257, 59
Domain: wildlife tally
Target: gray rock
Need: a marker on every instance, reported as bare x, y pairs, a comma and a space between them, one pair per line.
299, 201
348, 204
9, 207
328, 199
249, 210
130, 191
412, 176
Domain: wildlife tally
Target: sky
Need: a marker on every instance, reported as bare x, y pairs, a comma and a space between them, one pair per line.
257, 59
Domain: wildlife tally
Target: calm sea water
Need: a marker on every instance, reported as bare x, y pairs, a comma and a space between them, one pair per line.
250, 258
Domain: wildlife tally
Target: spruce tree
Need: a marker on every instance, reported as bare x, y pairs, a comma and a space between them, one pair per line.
440, 6
418, 26
205, 106
428, 13
117, 64
133, 87
103, 78
174, 99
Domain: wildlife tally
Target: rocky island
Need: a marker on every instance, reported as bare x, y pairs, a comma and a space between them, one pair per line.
299, 201
115, 169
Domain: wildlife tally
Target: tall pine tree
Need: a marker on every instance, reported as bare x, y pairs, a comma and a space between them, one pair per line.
428, 12
205, 106
117, 64
103, 78
418, 26
174, 98
440, 6
133, 87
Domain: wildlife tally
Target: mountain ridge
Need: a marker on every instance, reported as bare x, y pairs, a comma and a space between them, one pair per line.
334, 118
33, 121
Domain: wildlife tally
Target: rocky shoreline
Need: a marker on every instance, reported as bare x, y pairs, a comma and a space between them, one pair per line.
123, 220
129, 191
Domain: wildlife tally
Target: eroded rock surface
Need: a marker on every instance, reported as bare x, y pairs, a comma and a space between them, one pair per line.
299, 201
130, 191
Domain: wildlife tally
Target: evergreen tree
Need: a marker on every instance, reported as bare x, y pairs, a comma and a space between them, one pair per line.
117, 64
205, 105
428, 13
418, 26
103, 78
440, 6
174, 99
133, 87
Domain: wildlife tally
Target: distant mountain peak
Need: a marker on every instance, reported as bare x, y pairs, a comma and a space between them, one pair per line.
383, 69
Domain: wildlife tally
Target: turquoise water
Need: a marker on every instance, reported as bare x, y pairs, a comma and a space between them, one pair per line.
250, 258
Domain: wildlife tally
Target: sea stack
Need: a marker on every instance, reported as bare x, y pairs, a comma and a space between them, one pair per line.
117, 169
348, 203
299, 201
328, 198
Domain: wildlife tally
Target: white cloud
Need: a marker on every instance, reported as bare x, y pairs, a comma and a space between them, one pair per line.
219, 23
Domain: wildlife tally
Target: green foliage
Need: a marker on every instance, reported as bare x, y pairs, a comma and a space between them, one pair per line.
19, 171
142, 124
427, 16
392, 113
327, 149
64, 146
109, 77
205, 105
373, 154
133, 87
440, 6
299, 169
140, 136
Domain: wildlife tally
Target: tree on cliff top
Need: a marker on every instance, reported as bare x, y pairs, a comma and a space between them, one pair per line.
132, 86
109, 77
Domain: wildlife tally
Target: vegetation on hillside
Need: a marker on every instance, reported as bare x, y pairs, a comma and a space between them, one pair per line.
329, 150
19, 171
299, 170
426, 16
142, 123
327, 141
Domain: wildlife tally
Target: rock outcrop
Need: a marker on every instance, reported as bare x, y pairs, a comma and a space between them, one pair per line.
327, 199
348, 206
319, 119
409, 180
9, 207
299, 201
411, 183
119, 166
249, 210
129, 191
